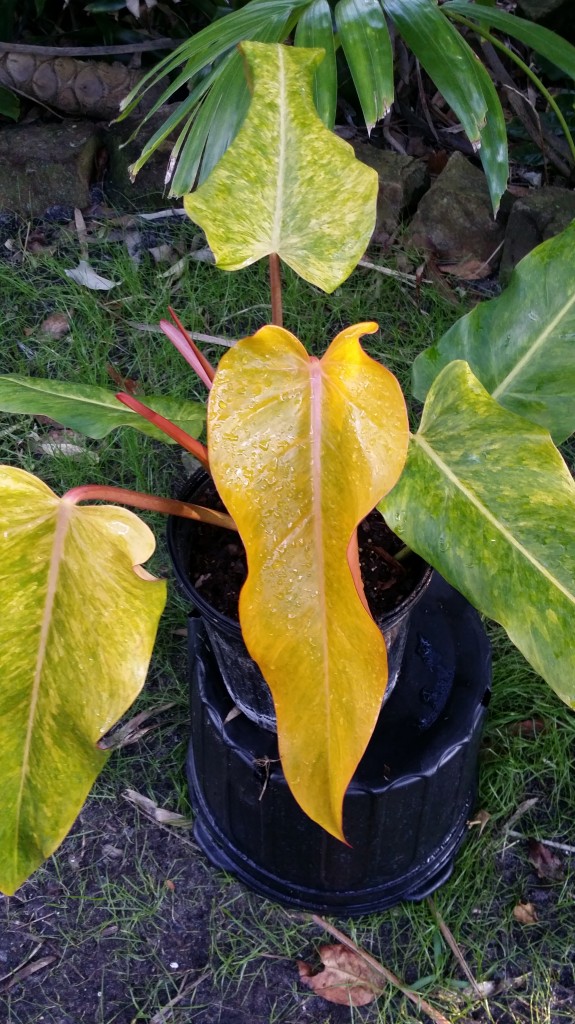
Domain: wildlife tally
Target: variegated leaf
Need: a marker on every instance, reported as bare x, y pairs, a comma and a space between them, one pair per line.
301, 449
486, 498
286, 185
521, 345
79, 618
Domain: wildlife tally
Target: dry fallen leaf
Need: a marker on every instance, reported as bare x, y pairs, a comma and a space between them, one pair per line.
480, 820
164, 253
159, 814
488, 989
346, 978
56, 325
466, 270
121, 382
133, 730
525, 913
546, 863
528, 729
61, 441
85, 275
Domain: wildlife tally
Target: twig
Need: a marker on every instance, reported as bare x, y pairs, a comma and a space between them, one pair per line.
415, 998
546, 842
90, 51
522, 809
454, 947
410, 279
423, 101
210, 339
176, 211
524, 110
160, 1016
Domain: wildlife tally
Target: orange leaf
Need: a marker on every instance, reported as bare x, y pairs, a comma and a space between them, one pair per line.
346, 978
301, 450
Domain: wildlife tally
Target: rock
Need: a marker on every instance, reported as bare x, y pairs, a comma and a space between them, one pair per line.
535, 218
455, 218
402, 182
46, 165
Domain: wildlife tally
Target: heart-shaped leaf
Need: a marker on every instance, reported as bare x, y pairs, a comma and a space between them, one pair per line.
301, 450
79, 618
487, 499
520, 345
287, 185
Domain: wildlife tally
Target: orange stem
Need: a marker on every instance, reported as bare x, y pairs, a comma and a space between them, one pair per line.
197, 449
149, 502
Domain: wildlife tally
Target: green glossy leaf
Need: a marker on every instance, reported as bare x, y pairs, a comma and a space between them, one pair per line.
542, 40
521, 345
462, 80
364, 36
287, 185
486, 498
293, 438
78, 623
315, 29
92, 410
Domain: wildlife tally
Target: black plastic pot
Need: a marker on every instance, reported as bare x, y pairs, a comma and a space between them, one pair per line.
406, 809
239, 672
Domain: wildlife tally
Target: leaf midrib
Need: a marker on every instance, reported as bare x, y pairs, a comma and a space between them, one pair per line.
503, 385
63, 517
509, 537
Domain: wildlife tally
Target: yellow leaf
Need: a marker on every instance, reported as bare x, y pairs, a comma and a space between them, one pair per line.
76, 634
301, 450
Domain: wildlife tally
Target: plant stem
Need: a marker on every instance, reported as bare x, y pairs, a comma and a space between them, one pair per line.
198, 450
276, 290
149, 502
485, 34
205, 363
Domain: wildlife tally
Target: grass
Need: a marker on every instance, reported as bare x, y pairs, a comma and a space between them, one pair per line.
133, 916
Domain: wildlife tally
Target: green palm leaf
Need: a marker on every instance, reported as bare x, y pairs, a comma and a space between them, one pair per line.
315, 29
548, 44
461, 79
364, 36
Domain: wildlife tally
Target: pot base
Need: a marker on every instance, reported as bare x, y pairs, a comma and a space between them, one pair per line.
405, 810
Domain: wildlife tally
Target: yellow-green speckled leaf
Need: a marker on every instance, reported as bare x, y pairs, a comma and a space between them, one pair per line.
301, 449
77, 629
287, 185
487, 499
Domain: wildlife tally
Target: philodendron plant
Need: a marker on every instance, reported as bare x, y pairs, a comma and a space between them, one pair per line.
300, 449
